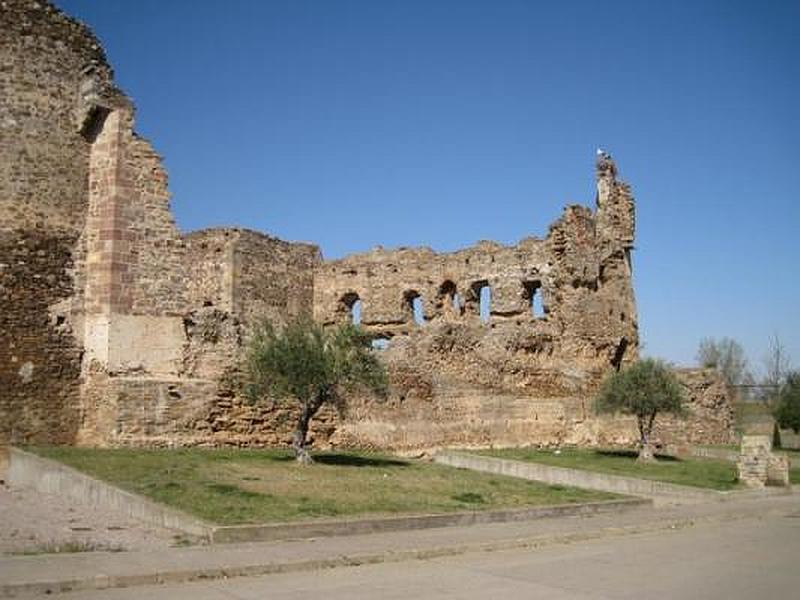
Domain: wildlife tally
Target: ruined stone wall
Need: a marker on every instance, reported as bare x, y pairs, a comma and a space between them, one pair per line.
273, 279
710, 415
39, 357
159, 258
116, 329
49, 67
209, 268
46, 60
508, 372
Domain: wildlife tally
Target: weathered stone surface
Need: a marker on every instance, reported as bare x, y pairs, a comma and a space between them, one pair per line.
117, 329
758, 465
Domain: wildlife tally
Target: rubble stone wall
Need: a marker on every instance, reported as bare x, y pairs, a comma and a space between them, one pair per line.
273, 279
39, 356
117, 329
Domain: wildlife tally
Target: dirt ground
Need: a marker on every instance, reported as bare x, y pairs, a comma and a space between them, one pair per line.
31, 522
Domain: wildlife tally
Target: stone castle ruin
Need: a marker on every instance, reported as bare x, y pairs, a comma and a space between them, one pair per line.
117, 329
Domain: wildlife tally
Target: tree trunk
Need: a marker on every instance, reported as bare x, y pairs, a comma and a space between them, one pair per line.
301, 432
646, 452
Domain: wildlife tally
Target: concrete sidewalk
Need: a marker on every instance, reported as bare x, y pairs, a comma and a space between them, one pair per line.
45, 574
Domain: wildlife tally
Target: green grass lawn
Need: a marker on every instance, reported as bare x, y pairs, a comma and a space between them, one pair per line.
704, 473
231, 487
794, 472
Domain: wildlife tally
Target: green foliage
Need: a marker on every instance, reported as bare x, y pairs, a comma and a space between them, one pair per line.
787, 413
305, 361
313, 365
644, 389
647, 387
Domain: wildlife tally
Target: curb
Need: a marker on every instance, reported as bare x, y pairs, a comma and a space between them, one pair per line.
101, 582
26, 469
313, 529
594, 480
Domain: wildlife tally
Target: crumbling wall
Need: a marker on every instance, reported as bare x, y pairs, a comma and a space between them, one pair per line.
209, 268
710, 417
273, 279
471, 367
157, 271
39, 357
117, 329
49, 66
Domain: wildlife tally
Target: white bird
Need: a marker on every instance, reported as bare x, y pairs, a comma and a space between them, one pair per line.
600, 152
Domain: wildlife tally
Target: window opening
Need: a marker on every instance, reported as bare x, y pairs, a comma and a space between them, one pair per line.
355, 312
485, 303
533, 293
380, 343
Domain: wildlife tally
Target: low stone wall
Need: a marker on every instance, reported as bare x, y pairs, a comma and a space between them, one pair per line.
50, 477
578, 478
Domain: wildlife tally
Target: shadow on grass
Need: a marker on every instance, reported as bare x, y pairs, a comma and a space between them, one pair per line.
634, 454
352, 460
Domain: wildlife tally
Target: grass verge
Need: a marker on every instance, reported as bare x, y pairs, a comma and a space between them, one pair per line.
702, 473
232, 487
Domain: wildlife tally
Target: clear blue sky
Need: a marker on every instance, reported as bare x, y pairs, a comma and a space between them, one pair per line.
358, 123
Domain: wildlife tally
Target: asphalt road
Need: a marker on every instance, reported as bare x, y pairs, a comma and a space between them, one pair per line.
752, 559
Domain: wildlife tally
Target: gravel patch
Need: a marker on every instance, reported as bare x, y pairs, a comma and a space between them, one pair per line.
32, 522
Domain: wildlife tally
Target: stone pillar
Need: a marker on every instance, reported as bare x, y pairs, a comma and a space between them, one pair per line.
753, 462
778, 470
757, 464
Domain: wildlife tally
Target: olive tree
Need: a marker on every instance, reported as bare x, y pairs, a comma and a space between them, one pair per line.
644, 389
312, 366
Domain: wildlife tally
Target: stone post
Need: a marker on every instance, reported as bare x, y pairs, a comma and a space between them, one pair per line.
758, 466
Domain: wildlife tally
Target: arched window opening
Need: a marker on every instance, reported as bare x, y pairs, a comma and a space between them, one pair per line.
458, 305
355, 313
449, 300
533, 294
479, 300
352, 306
419, 312
486, 303
414, 306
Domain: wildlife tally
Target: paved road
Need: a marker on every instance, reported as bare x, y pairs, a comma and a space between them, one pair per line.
753, 559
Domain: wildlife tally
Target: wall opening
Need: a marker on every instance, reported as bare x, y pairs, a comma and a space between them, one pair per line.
414, 305
419, 311
351, 304
481, 293
533, 295
486, 303
458, 305
449, 300
94, 122
619, 354
380, 343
